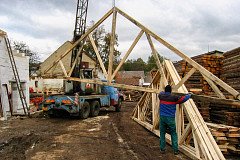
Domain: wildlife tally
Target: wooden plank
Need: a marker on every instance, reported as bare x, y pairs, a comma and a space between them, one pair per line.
214, 87
98, 55
63, 68
204, 98
112, 43
160, 67
75, 61
184, 79
208, 74
127, 54
80, 39
186, 132
97, 81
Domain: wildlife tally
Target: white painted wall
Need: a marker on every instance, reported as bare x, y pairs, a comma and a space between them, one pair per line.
6, 77
46, 84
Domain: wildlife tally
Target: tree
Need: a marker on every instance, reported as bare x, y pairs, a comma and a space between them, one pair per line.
34, 60
102, 40
151, 63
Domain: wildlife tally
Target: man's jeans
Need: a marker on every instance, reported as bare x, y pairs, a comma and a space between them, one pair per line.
168, 122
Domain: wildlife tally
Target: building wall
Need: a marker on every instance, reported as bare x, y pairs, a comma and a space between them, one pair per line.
7, 77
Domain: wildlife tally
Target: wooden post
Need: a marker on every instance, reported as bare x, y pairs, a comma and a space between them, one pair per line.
112, 43
98, 55
127, 54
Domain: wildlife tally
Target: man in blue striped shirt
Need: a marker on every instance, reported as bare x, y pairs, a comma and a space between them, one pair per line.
167, 112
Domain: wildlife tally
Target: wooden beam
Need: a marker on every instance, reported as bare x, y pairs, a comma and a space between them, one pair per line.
214, 87
112, 43
160, 67
211, 76
127, 54
63, 68
98, 55
186, 132
184, 79
76, 59
97, 81
80, 39
203, 98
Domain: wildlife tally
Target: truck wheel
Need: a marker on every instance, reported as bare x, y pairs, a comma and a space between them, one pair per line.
94, 108
119, 105
85, 110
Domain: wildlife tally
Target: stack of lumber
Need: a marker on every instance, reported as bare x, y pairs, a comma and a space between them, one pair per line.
227, 137
204, 108
196, 84
225, 114
211, 61
231, 69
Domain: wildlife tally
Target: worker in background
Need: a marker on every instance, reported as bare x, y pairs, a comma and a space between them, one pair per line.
167, 112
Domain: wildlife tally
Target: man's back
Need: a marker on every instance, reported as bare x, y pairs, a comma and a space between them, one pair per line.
168, 103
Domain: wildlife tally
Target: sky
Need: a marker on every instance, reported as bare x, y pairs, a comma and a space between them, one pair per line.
193, 27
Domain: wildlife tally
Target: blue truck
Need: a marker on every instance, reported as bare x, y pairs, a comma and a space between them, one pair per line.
83, 106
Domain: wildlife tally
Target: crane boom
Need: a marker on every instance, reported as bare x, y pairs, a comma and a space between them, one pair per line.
79, 30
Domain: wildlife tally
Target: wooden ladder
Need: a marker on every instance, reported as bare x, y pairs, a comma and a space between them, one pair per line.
16, 76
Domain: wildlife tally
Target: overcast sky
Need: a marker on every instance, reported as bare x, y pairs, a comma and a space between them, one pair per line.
189, 25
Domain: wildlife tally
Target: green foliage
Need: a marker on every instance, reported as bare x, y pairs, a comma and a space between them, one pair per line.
102, 40
34, 60
140, 65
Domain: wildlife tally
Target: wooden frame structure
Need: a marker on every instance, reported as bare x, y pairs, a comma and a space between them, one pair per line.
195, 139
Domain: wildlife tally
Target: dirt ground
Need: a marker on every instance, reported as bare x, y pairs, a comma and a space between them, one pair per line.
111, 135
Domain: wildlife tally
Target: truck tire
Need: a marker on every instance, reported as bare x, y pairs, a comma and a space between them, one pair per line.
85, 110
119, 105
94, 108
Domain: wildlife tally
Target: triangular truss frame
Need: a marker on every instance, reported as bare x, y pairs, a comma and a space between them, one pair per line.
196, 131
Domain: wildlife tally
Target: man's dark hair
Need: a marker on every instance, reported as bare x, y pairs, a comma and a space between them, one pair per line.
168, 88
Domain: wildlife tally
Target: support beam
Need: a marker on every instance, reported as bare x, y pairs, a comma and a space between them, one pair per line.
75, 61
184, 79
127, 54
214, 87
98, 55
155, 55
203, 98
63, 68
112, 43
97, 81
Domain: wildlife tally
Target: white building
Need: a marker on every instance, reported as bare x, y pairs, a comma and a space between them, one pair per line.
7, 81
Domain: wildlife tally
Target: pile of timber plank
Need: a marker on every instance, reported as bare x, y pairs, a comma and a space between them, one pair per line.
225, 114
211, 61
231, 69
227, 137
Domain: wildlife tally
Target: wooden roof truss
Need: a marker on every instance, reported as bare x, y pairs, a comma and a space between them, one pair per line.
195, 139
